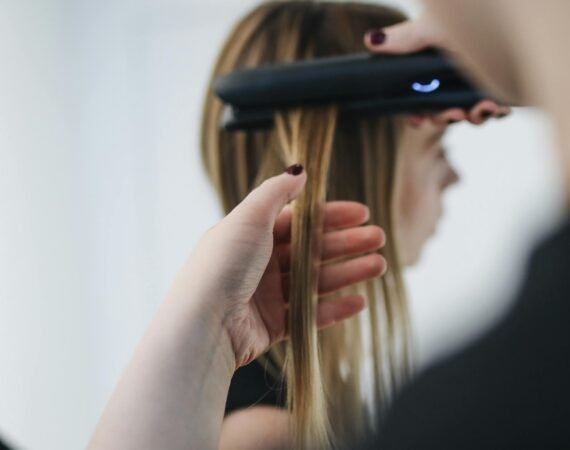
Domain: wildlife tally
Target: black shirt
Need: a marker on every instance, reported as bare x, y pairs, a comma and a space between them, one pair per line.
508, 390
253, 385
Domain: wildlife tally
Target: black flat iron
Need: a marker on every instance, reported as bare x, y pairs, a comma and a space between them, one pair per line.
360, 84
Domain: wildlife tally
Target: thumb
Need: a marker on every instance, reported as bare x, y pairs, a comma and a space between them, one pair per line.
405, 37
265, 202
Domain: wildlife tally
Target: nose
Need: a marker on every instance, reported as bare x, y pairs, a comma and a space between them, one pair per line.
451, 177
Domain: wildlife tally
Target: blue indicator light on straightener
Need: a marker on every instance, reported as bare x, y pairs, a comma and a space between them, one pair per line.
425, 88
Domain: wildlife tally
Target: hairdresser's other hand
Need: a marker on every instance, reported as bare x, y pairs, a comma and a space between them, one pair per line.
240, 266
415, 35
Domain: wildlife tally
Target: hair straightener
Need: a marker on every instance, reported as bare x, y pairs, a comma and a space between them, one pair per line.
360, 84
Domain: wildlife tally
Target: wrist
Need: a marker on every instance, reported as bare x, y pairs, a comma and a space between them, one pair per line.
195, 311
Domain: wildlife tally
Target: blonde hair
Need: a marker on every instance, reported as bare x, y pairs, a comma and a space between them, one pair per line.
348, 159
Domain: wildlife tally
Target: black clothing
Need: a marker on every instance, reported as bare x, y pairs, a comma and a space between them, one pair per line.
3, 446
253, 385
511, 388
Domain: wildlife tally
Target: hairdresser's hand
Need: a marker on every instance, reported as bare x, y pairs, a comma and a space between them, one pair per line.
419, 34
225, 308
241, 265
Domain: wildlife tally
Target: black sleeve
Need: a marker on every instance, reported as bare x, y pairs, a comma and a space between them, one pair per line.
510, 389
254, 385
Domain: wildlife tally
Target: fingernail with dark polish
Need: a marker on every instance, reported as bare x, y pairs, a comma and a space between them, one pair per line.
295, 169
486, 114
450, 121
377, 37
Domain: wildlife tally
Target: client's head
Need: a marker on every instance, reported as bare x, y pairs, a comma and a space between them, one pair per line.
288, 31
397, 169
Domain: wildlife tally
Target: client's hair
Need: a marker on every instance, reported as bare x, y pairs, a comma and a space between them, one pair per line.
345, 159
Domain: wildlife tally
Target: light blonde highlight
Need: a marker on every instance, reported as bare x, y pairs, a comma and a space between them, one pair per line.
307, 137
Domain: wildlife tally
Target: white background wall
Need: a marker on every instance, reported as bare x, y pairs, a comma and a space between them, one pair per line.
102, 197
